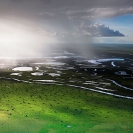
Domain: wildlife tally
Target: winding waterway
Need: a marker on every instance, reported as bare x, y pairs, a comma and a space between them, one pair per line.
111, 75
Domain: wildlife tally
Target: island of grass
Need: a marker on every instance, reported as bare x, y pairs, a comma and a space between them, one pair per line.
36, 108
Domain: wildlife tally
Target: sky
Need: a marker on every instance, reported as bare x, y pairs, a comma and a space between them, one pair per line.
33, 24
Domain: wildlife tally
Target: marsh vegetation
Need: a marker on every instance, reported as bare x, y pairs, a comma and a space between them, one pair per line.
67, 92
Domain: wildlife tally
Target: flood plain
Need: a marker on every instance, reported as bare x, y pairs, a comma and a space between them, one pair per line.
56, 92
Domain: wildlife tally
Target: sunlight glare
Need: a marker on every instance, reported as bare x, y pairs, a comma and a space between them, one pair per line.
19, 40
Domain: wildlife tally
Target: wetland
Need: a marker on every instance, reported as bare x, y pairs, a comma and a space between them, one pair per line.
68, 92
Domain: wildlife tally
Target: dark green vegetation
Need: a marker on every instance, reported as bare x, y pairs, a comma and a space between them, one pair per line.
113, 48
28, 105
35, 108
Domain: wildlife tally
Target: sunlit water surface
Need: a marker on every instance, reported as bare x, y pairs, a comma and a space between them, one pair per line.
97, 74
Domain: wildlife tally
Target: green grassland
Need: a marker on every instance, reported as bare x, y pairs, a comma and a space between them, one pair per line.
113, 48
36, 108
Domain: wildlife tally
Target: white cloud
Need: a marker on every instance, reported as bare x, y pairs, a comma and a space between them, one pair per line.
98, 30
94, 13
111, 12
50, 33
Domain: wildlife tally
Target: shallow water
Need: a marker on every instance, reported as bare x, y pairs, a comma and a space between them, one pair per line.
54, 74
22, 69
51, 81
121, 73
96, 74
37, 73
15, 74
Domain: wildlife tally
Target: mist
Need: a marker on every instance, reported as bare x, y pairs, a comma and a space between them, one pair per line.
32, 29
22, 40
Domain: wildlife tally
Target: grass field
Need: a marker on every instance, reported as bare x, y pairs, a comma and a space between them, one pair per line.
28, 105
36, 108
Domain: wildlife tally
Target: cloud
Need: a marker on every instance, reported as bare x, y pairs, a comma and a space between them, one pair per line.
57, 19
94, 13
36, 6
49, 33
98, 30
111, 12
46, 13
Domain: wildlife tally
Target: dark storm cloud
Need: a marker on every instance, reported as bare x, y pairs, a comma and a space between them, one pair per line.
32, 6
58, 16
98, 30
94, 13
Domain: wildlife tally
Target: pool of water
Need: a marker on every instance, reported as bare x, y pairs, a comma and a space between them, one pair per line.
22, 69
108, 75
